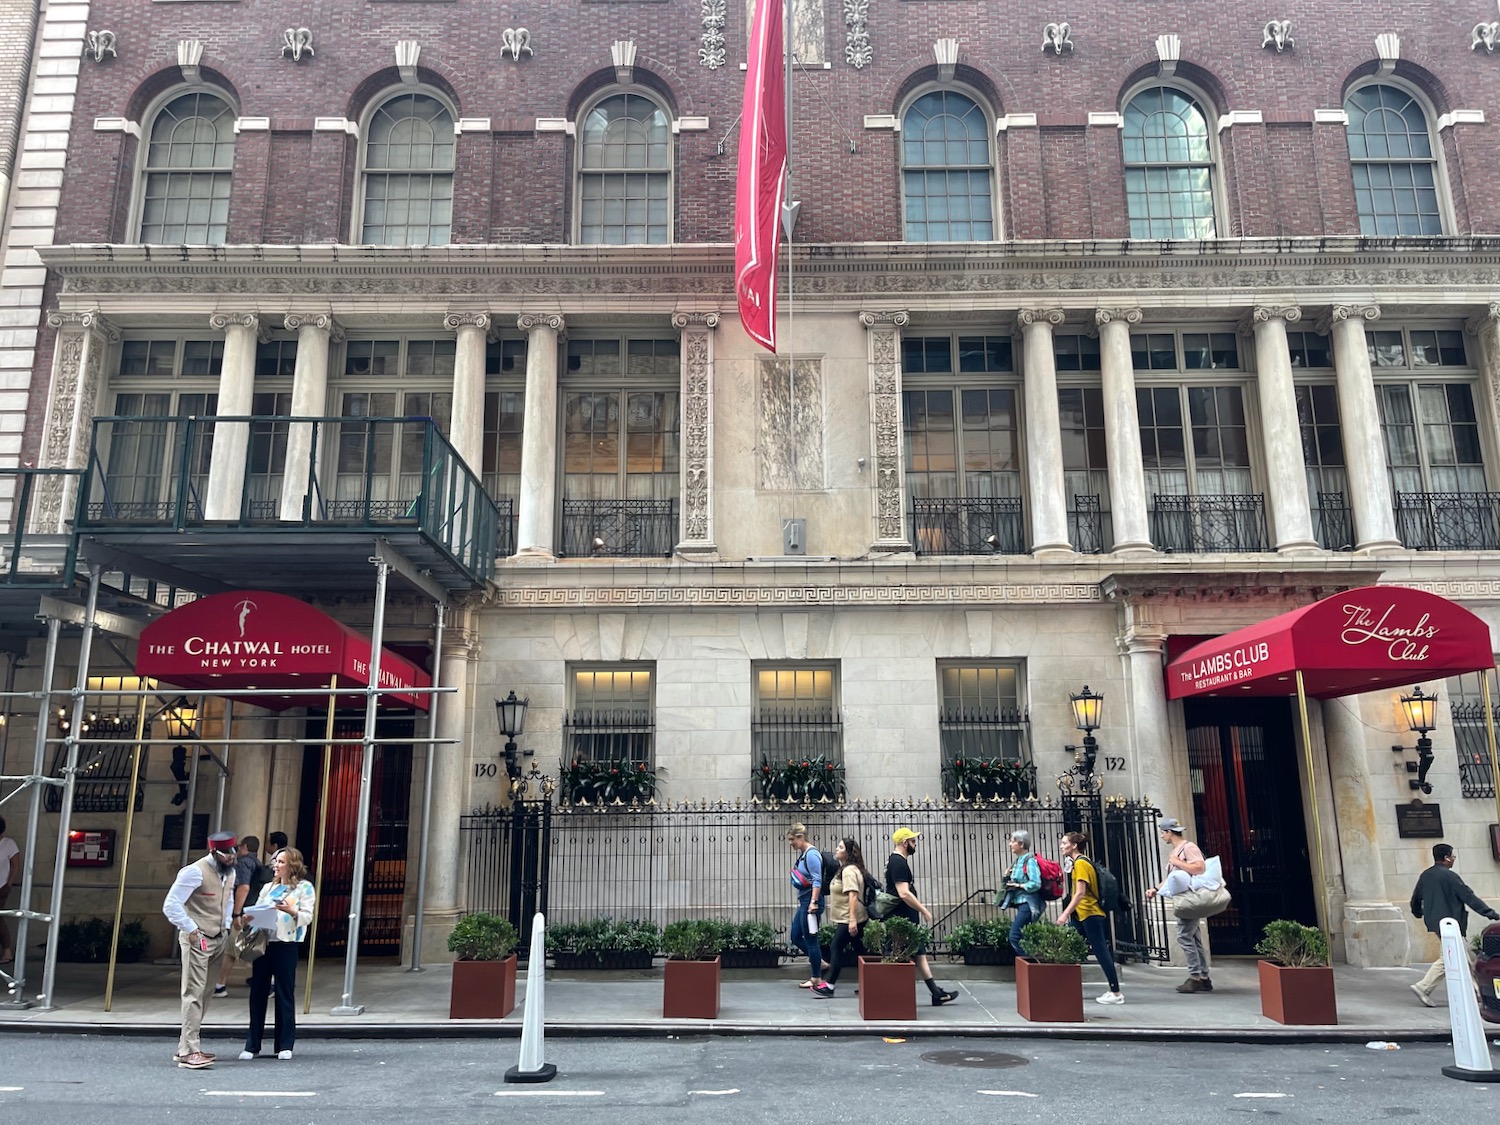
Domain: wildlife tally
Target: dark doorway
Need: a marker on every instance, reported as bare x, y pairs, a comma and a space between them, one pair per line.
1247, 799
385, 861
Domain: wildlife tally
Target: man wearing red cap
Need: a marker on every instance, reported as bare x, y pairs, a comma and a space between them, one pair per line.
199, 905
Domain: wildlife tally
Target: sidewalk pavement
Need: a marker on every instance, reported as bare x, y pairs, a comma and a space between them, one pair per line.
1373, 1004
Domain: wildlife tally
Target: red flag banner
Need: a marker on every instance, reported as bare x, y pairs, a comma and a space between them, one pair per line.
762, 174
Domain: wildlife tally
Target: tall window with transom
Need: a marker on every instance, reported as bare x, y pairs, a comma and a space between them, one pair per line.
946, 169
1169, 166
625, 173
1394, 162
188, 166
408, 173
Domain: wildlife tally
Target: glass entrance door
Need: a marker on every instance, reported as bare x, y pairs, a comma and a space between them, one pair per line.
1247, 800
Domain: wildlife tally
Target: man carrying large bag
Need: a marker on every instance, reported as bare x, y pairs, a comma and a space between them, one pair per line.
1197, 891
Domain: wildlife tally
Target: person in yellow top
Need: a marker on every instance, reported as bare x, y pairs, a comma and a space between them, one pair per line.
1084, 912
846, 910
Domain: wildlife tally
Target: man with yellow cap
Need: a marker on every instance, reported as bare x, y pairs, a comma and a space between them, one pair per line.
899, 882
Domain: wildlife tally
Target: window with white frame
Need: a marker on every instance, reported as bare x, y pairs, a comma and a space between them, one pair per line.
187, 170
982, 729
625, 172
1394, 160
947, 169
1169, 165
408, 173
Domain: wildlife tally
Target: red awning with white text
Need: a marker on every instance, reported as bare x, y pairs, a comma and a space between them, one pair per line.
1368, 639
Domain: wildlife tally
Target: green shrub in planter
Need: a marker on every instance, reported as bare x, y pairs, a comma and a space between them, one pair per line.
1052, 944
604, 935
756, 935
699, 940
976, 934
897, 939
483, 937
134, 938
1293, 945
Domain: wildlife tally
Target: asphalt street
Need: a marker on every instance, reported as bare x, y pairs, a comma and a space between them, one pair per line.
47, 1080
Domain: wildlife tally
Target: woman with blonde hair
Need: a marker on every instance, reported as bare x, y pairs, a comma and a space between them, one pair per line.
293, 898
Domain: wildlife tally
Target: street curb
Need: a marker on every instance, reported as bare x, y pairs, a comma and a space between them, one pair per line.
679, 1029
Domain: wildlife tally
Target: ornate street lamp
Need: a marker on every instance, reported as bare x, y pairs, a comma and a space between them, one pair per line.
512, 715
1088, 708
1420, 710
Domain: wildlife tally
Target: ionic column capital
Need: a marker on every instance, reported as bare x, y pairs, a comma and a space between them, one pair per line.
1027, 318
1339, 314
222, 322
1111, 316
555, 321
895, 318
1484, 321
92, 321
681, 320
456, 320
1262, 314
324, 321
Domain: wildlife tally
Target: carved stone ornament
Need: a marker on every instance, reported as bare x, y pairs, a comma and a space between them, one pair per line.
408, 51
514, 40
1057, 38
1168, 53
1388, 48
1486, 35
527, 321
697, 426
1025, 318
100, 43
1261, 314
882, 333
945, 51
1338, 314
189, 56
298, 42
681, 320
1278, 34
454, 321
1123, 316
295, 322
622, 54
711, 48
223, 322
858, 51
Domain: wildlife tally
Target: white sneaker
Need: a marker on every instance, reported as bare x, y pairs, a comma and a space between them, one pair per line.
285, 1056
246, 1056
1110, 998
1423, 995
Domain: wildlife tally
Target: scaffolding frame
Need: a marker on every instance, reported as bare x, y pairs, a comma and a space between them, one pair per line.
54, 613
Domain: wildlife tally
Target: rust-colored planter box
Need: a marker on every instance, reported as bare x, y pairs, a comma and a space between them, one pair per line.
887, 991
1297, 996
690, 990
483, 990
1049, 993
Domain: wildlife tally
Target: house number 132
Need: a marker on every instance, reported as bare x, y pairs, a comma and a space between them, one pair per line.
1113, 764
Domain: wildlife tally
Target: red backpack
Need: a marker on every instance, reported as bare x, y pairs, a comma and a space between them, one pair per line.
1052, 879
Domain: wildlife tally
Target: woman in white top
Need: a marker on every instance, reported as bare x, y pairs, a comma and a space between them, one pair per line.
292, 896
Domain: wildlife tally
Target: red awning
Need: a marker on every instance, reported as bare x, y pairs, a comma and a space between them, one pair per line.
1367, 639
228, 642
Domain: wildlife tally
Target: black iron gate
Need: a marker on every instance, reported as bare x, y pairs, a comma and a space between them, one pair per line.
508, 861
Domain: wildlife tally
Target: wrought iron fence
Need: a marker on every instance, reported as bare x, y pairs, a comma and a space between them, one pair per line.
986, 754
731, 862
1086, 524
1475, 778
798, 755
611, 756
1209, 523
619, 528
968, 526
1335, 522
1449, 521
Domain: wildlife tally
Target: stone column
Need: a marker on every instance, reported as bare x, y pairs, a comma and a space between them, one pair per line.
72, 401
1155, 776
1281, 433
247, 805
466, 427
883, 354
1375, 930
697, 424
315, 332
1044, 462
535, 532
1486, 330
450, 768
1359, 420
231, 448
1122, 432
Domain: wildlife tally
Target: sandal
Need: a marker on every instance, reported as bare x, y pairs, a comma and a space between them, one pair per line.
806, 984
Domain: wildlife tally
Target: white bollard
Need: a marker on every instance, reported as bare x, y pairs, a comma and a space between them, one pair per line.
531, 1068
1471, 1055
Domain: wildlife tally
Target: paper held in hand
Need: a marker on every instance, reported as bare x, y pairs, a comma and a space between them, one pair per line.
262, 917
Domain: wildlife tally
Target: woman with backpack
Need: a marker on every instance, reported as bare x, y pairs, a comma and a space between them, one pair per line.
846, 910
1023, 888
1085, 913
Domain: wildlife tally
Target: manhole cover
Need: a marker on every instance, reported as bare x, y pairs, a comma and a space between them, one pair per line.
977, 1060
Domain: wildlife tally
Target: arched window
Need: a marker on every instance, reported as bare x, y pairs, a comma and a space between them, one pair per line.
188, 166
408, 177
625, 173
1395, 169
1169, 166
946, 170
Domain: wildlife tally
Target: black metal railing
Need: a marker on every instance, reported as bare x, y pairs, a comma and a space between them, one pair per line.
505, 533
1195, 524
1449, 521
610, 757
1086, 524
29, 553
102, 783
1335, 522
986, 754
673, 862
360, 472
618, 528
968, 526
1475, 777
797, 755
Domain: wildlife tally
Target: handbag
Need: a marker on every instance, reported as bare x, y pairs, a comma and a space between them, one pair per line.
250, 943
1195, 905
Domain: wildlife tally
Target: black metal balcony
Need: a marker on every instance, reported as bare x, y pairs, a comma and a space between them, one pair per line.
1086, 524
968, 526
1197, 524
1449, 521
29, 556
399, 477
636, 529
1335, 522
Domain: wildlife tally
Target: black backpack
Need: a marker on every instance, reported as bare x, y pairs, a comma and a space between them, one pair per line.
1110, 900
830, 869
872, 888
263, 875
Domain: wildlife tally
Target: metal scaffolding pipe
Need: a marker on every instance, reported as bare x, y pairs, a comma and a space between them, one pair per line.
223, 764
432, 721
312, 938
135, 777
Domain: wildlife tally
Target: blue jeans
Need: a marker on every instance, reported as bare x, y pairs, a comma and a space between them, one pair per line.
1095, 931
807, 942
1028, 910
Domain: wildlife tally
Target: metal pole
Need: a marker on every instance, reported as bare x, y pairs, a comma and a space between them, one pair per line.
224, 771
1489, 727
34, 814
432, 724
70, 774
312, 939
366, 771
135, 777
1317, 819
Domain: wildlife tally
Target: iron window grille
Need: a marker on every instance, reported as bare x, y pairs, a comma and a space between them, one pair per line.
1335, 522
619, 528
1449, 521
969, 526
1209, 523
102, 784
1475, 778
1086, 525
986, 753
798, 754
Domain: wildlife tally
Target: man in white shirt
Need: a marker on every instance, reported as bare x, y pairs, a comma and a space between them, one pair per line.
1183, 862
200, 904
10, 875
